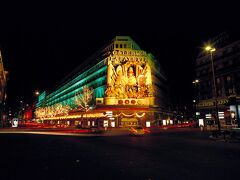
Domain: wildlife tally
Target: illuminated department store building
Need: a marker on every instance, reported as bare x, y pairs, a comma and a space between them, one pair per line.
129, 85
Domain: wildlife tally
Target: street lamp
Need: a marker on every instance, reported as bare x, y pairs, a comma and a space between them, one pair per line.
37, 93
211, 50
195, 81
21, 112
196, 93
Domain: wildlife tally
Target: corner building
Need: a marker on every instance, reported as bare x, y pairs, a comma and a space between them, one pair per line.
3, 85
129, 85
226, 63
3, 81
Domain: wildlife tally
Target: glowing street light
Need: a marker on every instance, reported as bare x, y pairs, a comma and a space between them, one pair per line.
37, 93
195, 81
211, 50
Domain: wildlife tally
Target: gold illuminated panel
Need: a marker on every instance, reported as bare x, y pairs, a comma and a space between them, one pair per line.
129, 80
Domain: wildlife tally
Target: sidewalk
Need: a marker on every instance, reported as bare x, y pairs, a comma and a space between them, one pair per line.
232, 135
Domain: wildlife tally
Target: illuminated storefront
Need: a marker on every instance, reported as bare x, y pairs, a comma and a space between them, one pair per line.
126, 80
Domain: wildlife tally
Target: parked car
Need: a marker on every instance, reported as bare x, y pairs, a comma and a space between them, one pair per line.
137, 131
95, 129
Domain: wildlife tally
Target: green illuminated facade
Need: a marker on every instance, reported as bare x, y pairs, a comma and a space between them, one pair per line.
121, 75
94, 77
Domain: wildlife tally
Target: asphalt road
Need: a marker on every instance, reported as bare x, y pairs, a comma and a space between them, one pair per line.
171, 154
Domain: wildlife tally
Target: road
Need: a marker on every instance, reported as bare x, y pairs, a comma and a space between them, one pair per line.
169, 154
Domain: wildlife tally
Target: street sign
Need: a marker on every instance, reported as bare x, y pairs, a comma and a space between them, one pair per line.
15, 122
105, 123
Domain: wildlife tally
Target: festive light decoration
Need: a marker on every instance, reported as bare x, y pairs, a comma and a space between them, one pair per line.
140, 116
130, 115
52, 111
127, 115
130, 78
95, 115
83, 99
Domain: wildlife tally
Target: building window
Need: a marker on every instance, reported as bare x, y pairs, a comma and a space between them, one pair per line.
116, 45
229, 78
230, 91
220, 66
229, 50
125, 45
224, 52
120, 45
234, 92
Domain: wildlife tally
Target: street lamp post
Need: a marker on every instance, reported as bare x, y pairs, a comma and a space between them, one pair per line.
36, 93
20, 113
196, 95
211, 50
196, 89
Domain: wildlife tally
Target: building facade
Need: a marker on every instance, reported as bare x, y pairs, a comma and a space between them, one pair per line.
129, 88
3, 84
226, 63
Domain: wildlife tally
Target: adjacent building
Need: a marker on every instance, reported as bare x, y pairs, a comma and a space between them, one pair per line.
129, 89
226, 63
3, 83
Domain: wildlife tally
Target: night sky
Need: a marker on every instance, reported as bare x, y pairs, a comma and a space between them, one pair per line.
42, 42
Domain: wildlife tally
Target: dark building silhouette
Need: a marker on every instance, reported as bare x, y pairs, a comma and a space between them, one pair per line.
3, 84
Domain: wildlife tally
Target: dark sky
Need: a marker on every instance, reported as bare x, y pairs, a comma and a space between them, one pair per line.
41, 42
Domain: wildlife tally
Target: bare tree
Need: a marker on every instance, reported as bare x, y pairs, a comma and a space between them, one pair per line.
84, 99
